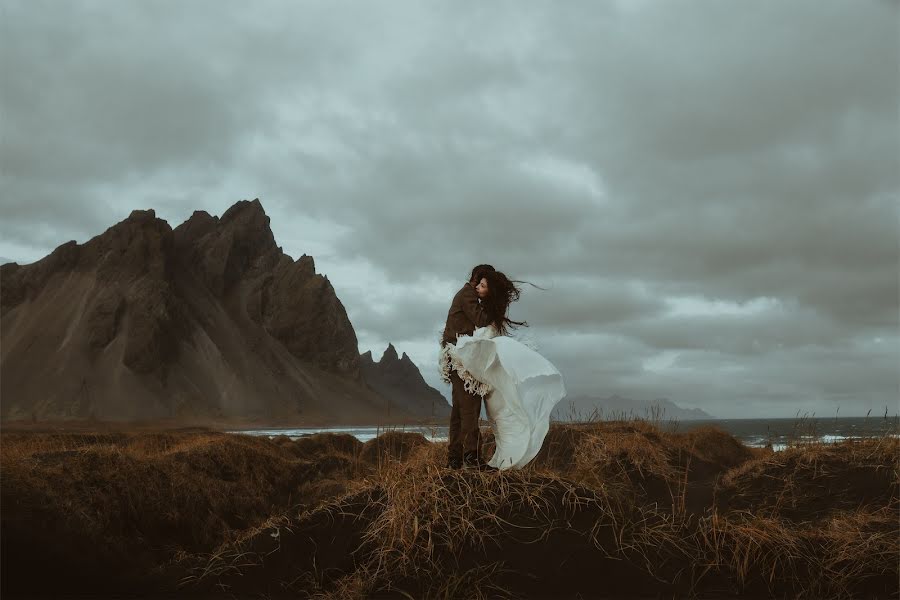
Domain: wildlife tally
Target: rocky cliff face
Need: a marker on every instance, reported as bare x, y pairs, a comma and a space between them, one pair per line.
236, 258
398, 380
208, 319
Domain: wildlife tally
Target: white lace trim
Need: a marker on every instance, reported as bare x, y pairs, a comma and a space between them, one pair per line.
447, 361
444, 363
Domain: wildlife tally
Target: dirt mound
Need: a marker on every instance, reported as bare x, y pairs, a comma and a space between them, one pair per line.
702, 455
53, 439
393, 446
419, 530
520, 533
558, 451
422, 531
286, 555
852, 554
808, 482
638, 462
127, 503
319, 444
715, 446
598, 515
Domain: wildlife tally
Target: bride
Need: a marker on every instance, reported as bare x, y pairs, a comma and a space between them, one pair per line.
519, 386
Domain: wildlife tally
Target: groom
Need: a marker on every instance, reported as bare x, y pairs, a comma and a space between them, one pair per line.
466, 314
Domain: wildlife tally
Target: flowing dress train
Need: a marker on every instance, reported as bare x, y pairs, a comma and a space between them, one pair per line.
519, 386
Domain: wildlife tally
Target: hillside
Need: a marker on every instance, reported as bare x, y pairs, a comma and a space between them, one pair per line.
209, 320
619, 509
398, 379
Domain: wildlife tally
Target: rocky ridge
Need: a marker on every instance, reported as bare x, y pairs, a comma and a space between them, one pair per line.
398, 379
209, 319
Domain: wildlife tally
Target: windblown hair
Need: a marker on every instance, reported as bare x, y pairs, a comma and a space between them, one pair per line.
502, 292
478, 272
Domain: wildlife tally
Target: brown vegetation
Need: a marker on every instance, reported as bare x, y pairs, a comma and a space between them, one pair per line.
606, 509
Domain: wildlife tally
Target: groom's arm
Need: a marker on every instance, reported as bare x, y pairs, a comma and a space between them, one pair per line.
473, 309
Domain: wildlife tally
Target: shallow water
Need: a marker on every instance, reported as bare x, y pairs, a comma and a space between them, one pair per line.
752, 432
782, 432
364, 434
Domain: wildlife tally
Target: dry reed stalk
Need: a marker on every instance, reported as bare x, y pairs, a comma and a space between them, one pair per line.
430, 514
233, 556
754, 546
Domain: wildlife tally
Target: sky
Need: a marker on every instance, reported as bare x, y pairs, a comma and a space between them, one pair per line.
706, 190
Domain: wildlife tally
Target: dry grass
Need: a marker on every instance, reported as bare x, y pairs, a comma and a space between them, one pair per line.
638, 462
433, 532
810, 481
128, 502
850, 554
608, 508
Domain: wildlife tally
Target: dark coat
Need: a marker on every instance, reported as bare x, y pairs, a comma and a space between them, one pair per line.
466, 314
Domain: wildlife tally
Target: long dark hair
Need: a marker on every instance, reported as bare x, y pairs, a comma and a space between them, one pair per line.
478, 272
502, 291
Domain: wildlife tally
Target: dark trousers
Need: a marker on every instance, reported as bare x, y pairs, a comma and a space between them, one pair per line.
465, 434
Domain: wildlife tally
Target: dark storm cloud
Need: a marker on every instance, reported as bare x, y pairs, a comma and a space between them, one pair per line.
708, 190
738, 335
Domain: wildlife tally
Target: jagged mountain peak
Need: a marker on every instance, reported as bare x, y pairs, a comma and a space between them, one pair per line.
251, 219
400, 380
306, 265
390, 354
245, 209
226, 250
201, 216
142, 215
245, 217
160, 315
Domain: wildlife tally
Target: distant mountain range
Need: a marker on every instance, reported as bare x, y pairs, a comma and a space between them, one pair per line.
207, 321
581, 408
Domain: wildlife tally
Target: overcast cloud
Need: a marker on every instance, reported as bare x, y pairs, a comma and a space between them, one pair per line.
707, 189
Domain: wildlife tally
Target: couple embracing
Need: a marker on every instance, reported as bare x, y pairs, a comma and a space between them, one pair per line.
481, 362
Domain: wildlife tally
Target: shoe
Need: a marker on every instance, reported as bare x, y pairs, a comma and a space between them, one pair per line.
474, 462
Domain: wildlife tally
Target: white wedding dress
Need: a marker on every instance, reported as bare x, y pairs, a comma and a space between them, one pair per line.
519, 386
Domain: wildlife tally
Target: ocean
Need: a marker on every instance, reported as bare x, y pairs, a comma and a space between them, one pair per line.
780, 433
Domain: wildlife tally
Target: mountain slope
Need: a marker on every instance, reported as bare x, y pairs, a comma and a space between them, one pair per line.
399, 380
210, 319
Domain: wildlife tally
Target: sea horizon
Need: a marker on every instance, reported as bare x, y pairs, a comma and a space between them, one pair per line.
779, 432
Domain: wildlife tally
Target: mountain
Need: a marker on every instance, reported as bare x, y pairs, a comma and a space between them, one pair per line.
399, 380
207, 320
581, 408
